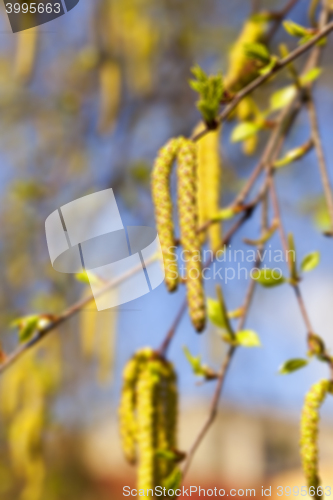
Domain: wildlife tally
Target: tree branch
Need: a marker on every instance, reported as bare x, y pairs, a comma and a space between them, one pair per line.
282, 63
321, 156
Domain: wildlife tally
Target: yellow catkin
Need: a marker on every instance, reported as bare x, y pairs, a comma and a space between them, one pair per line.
163, 209
167, 418
148, 417
25, 54
127, 410
127, 407
188, 222
309, 432
242, 70
110, 94
209, 182
147, 426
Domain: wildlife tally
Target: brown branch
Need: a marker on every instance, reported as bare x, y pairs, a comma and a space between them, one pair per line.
321, 156
230, 354
280, 16
212, 411
285, 246
65, 315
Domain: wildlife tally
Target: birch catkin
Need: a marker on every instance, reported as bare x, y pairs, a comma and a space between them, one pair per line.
188, 222
209, 182
147, 426
127, 410
163, 209
242, 69
148, 417
309, 432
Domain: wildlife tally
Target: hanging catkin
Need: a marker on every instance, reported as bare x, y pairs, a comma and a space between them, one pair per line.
163, 209
309, 432
25, 56
147, 426
209, 182
148, 417
127, 410
110, 94
188, 222
242, 69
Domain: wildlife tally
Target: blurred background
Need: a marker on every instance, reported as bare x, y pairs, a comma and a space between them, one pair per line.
86, 101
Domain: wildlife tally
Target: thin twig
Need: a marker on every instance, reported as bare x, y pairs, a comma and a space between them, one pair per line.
285, 246
212, 411
321, 156
65, 315
280, 16
230, 354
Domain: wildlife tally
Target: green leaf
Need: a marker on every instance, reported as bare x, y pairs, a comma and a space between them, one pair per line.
292, 257
295, 29
88, 278
258, 51
270, 66
310, 76
218, 315
210, 90
225, 214
294, 155
248, 338
27, 326
282, 97
167, 455
292, 365
195, 362
310, 261
269, 278
316, 345
243, 131
174, 480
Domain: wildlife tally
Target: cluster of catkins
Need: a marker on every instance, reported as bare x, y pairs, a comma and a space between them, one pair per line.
309, 432
198, 202
148, 418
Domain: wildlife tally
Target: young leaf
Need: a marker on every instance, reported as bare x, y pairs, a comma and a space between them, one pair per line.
282, 97
218, 315
270, 66
294, 154
225, 214
258, 51
27, 326
243, 131
292, 258
265, 237
269, 277
87, 277
167, 455
210, 90
173, 481
295, 29
316, 345
248, 338
195, 361
310, 261
310, 76
292, 365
